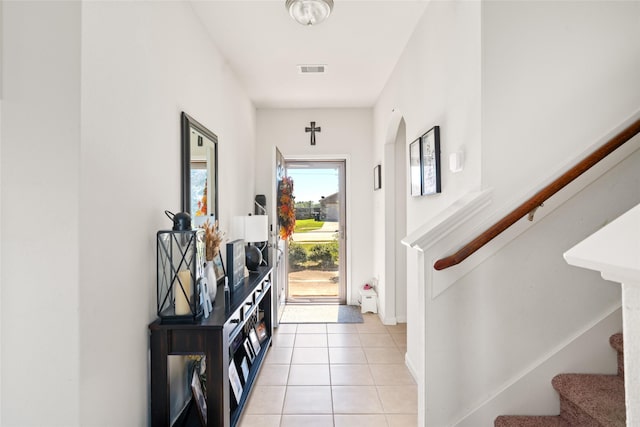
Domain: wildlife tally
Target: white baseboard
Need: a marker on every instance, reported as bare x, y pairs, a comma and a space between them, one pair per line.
411, 367
388, 320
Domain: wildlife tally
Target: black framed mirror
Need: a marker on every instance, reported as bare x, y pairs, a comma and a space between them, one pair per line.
199, 169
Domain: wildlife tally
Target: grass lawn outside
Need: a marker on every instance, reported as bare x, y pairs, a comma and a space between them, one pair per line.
308, 245
306, 225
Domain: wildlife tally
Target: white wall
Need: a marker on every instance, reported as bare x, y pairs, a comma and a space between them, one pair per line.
436, 82
345, 132
91, 145
555, 77
1, 50
522, 88
0, 245
521, 305
40, 213
136, 81
1, 97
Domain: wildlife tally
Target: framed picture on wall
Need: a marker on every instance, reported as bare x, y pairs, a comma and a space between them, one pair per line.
377, 177
415, 169
430, 157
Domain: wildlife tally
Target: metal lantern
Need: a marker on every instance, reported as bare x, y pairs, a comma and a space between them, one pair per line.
180, 257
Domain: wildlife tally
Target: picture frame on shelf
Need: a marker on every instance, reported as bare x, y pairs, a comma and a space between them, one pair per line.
430, 160
248, 349
198, 397
235, 344
234, 379
218, 268
235, 263
261, 330
255, 342
244, 367
377, 177
415, 168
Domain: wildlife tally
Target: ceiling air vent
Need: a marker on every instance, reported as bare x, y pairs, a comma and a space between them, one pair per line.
311, 69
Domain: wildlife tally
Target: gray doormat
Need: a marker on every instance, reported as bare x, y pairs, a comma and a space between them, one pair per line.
329, 313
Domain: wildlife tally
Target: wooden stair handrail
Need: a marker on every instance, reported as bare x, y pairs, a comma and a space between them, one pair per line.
537, 199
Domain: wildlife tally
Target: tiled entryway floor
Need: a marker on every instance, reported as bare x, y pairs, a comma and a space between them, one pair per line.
343, 375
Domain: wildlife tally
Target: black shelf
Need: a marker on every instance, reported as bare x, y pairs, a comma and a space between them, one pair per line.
253, 374
211, 337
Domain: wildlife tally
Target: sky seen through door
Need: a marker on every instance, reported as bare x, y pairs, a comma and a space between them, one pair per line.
313, 184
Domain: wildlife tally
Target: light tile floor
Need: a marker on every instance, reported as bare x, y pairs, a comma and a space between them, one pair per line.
337, 375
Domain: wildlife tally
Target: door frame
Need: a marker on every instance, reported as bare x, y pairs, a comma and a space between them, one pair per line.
347, 196
278, 246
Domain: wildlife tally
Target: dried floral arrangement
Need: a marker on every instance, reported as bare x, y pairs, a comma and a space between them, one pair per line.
212, 239
286, 208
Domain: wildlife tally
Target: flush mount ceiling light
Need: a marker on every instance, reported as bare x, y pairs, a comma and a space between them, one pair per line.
309, 12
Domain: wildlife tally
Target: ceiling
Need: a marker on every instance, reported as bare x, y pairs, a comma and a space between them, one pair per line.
359, 44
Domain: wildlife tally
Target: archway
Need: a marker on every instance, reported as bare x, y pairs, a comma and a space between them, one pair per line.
395, 208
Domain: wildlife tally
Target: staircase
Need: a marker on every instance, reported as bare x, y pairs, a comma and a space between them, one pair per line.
586, 400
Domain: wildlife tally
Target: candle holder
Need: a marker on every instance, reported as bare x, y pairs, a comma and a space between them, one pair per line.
180, 261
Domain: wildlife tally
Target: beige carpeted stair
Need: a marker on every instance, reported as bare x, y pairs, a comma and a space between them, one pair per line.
586, 400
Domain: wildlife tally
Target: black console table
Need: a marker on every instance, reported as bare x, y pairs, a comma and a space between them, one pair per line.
228, 323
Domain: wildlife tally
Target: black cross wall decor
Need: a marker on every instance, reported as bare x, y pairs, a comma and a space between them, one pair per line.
313, 129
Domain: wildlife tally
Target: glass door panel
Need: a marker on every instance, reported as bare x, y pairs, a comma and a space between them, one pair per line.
316, 250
